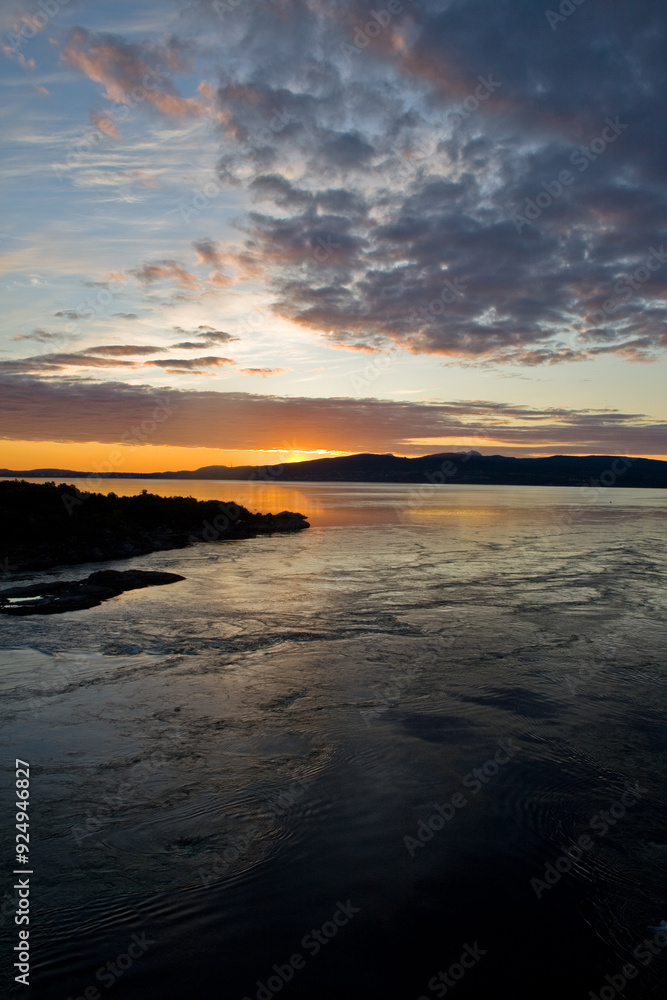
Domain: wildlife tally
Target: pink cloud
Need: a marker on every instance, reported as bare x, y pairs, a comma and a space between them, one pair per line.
264, 372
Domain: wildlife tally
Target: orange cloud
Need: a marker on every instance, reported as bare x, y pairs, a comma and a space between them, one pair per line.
166, 269
130, 73
219, 280
264, 372
67, 410
178, 365
207, 253
104, 124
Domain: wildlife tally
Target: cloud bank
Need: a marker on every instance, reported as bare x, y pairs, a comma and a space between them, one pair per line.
81, 411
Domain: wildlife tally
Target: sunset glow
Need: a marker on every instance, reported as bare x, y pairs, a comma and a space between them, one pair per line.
322, 276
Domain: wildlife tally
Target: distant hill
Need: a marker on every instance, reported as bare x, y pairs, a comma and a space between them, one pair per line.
447, 467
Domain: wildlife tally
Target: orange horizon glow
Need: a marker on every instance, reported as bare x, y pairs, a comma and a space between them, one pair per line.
93, 456
98, 457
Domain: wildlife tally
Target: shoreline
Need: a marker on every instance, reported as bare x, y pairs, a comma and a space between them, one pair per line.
48, 525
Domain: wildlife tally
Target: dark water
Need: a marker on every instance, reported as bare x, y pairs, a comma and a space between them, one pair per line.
232, 765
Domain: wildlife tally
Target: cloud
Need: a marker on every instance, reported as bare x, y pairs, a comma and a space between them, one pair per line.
207, 253
219, 280
133, 72
166, 270
404, 194
42, 336
66, 410
111, 356
410, 187
56, 362
140, 73
123, 350
176, 365
206, 337
105, 124
264, 372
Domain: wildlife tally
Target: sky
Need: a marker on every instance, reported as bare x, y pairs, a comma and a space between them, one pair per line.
251, 231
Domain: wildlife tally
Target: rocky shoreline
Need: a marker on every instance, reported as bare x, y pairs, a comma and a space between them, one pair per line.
44, 525
76, 595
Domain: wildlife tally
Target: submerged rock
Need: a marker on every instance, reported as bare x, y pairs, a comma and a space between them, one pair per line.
75, 595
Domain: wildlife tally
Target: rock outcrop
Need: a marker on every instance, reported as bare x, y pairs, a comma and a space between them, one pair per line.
43, 525
74, 595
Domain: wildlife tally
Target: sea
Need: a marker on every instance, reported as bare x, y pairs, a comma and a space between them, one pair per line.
417, 750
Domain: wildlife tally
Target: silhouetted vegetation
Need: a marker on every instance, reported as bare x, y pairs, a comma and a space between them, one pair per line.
48, 524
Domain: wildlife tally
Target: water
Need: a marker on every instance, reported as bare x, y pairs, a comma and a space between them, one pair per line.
226, 765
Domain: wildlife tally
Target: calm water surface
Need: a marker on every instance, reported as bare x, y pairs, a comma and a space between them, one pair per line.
411, 709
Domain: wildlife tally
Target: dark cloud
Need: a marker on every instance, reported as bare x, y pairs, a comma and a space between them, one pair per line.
65, 410
415, 177
209, 254
41, 336
90, 358
166, 270
124, 350
409, 171
56, 362
346, 151
206, 336
175, 365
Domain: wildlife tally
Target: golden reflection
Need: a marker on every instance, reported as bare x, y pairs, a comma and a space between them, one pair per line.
258, 497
